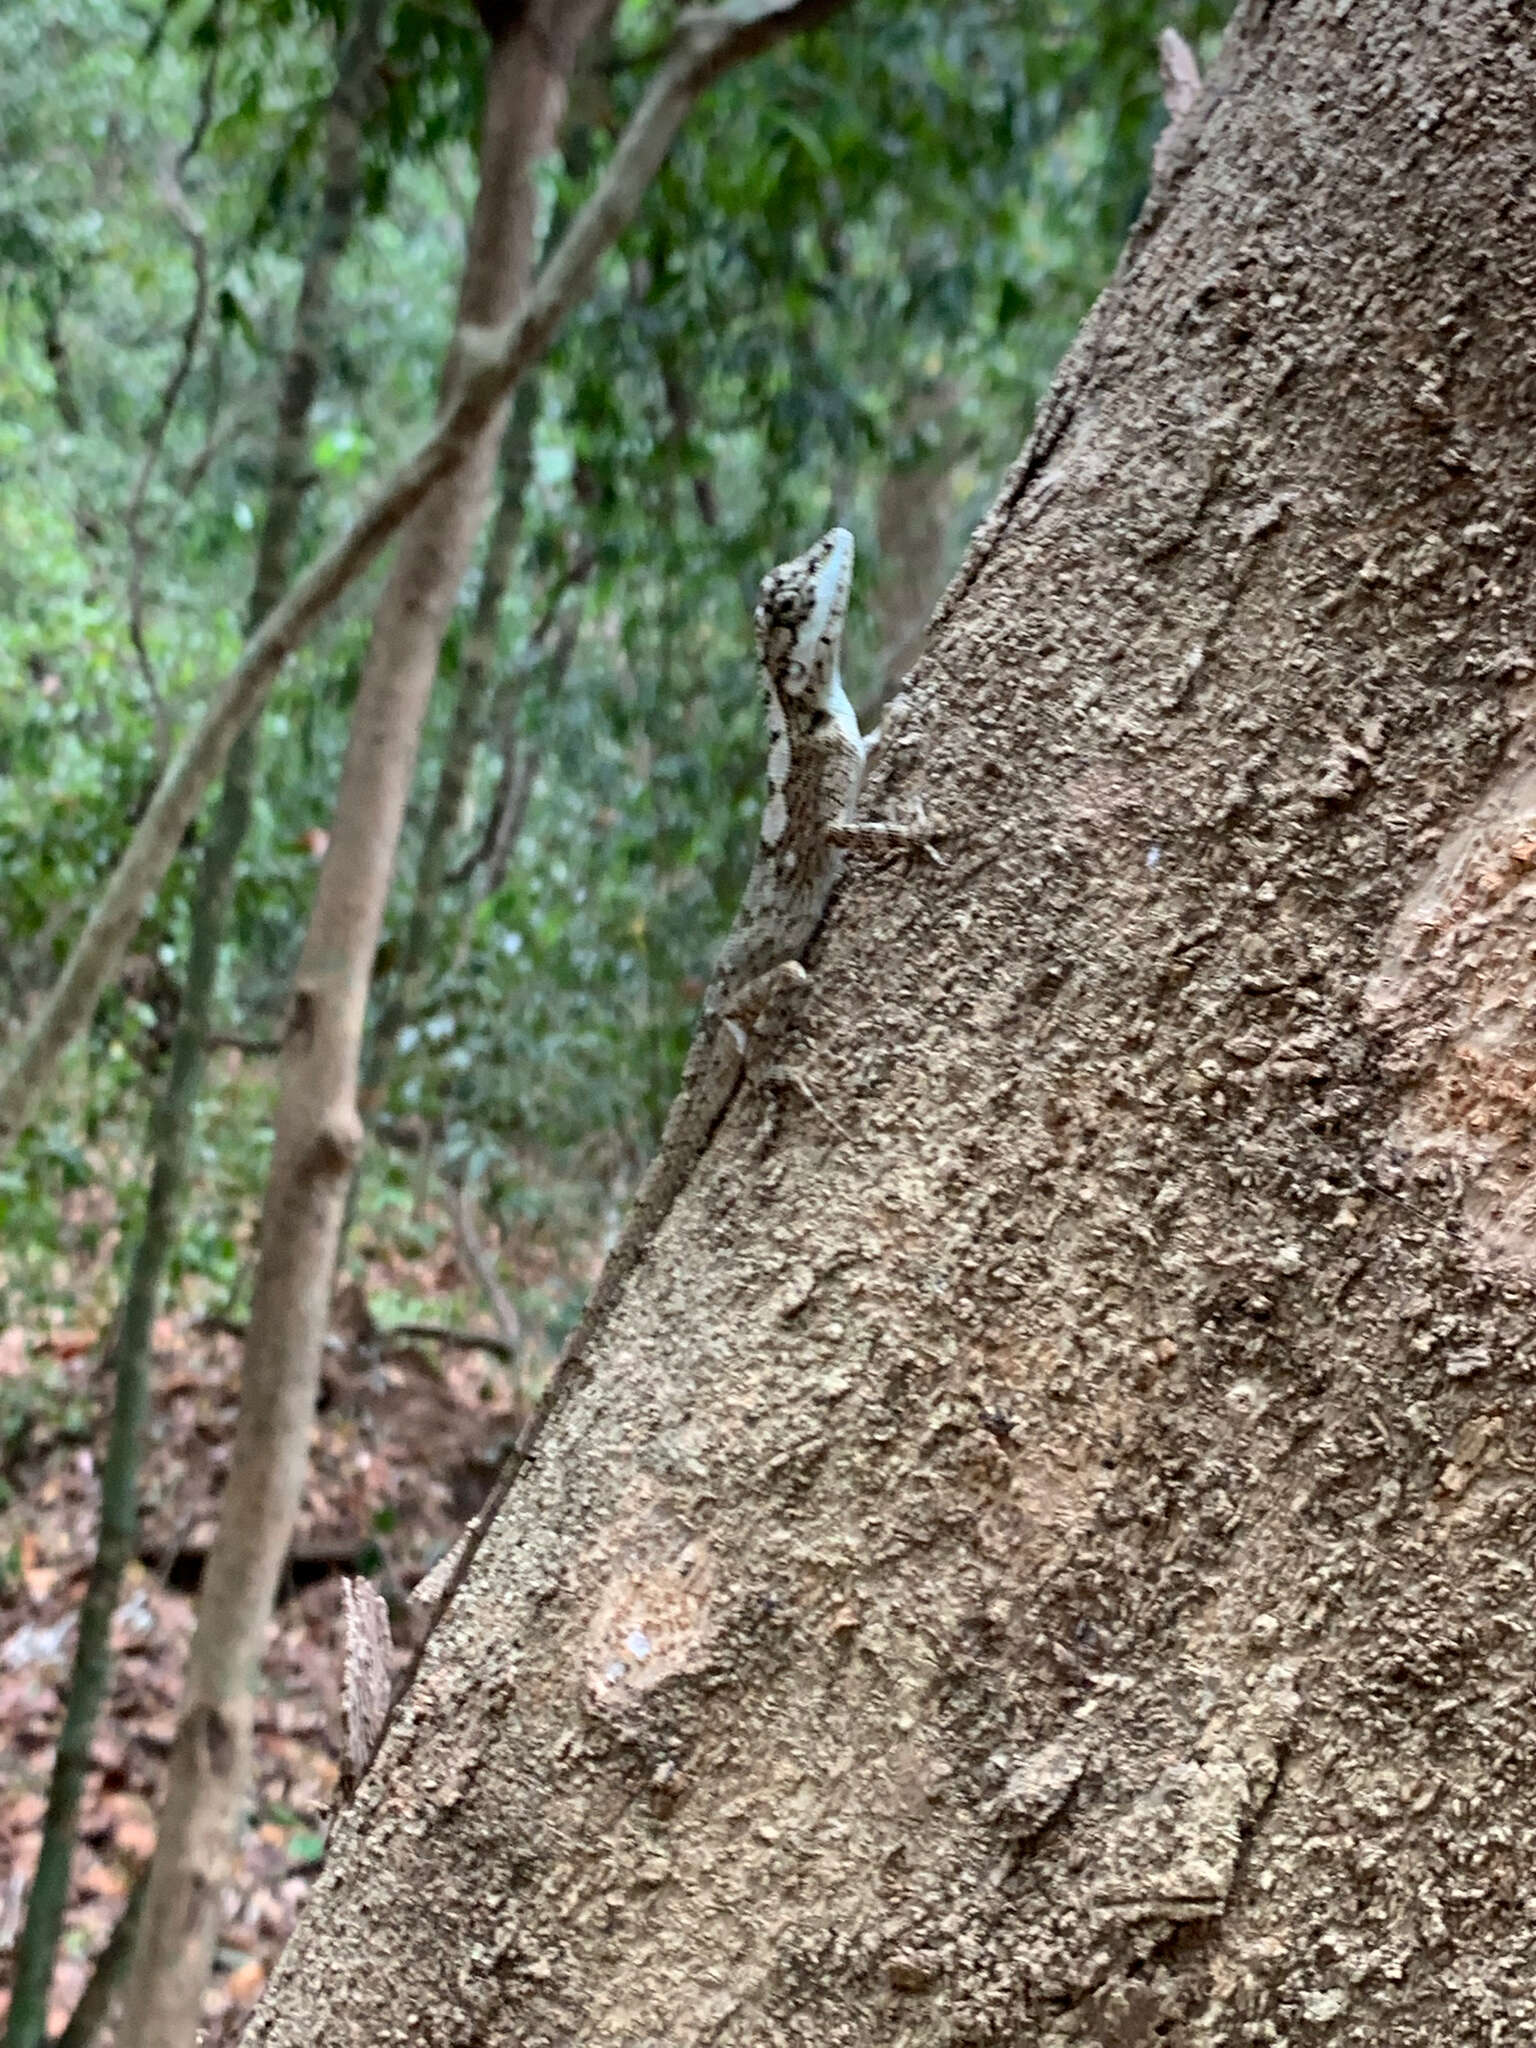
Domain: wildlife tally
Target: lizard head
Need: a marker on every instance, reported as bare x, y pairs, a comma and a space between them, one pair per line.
801, 607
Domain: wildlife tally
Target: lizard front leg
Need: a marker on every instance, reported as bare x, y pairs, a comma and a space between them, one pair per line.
877, 836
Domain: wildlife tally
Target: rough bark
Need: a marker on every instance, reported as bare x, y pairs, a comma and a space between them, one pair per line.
172, 1119
490, 361
1043, 1552
318, 1133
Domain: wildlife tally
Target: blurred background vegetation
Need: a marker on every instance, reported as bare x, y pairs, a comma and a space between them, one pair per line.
843, 297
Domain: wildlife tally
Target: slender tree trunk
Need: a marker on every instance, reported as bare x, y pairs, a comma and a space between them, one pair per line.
172, 1121
318, 1133
1042, 1552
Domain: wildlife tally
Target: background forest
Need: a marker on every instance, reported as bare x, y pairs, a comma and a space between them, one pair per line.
841, 299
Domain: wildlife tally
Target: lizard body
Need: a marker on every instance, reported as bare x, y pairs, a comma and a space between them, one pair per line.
815, 768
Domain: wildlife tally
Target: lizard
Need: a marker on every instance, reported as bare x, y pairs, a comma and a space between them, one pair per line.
816, 758
815, 769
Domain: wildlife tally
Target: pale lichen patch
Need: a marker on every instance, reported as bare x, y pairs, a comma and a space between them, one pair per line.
1456, 994
653, 1618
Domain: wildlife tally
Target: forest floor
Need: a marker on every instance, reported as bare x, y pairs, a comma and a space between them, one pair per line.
408, 1437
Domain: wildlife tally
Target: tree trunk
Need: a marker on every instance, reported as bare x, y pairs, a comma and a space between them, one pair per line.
317, 1129
1042, 1552
174, 1114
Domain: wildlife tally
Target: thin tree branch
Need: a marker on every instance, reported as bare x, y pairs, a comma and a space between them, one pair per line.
511, 809
206, 83
480, 852
382, 1334
504, 819
218, 439
231, 1041
461, 1211
140, 543
56, 350
680, 414
492, 360
574, 575
456, 1340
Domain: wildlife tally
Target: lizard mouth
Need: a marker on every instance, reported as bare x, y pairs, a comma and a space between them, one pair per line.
831, 581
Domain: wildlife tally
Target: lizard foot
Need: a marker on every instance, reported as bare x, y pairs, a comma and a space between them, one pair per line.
779, 1078
881, 836
756, 1013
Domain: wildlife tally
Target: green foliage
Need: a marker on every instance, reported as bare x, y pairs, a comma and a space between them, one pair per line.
858, 267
